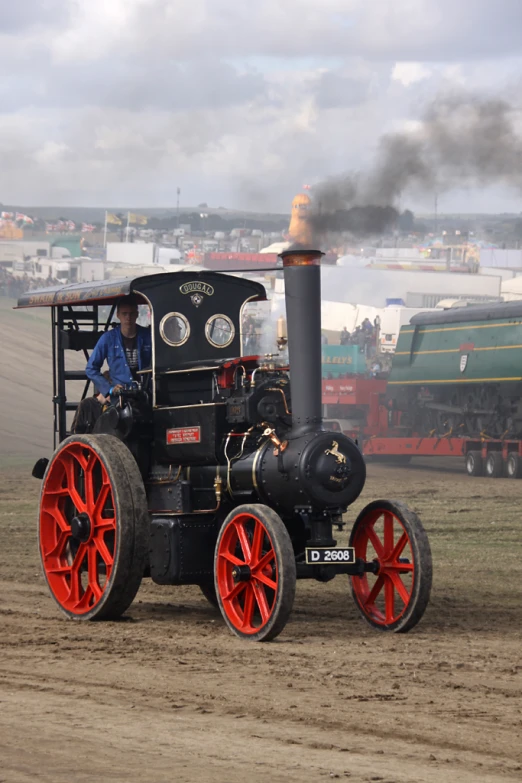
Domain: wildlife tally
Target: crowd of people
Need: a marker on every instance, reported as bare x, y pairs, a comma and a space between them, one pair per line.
13, 286
364, 336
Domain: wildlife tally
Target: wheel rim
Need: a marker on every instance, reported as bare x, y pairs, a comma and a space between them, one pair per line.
511, 467
381, 537
77, 528
247, 573
471, 464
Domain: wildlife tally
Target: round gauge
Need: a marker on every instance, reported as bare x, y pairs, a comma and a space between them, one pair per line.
219, 330
174, 329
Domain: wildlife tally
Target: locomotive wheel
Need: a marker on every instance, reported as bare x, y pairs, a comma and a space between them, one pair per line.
396, 597
254, 571
494, 466
474, 464
94, 527
513, 465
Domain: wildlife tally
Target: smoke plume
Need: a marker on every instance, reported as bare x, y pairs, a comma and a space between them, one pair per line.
462, 140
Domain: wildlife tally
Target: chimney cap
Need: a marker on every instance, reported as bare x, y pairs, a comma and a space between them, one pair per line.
301, 256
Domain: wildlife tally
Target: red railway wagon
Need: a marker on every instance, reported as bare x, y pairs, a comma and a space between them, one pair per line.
356, 406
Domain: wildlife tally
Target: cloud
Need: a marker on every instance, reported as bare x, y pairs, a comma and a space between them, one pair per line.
121, 101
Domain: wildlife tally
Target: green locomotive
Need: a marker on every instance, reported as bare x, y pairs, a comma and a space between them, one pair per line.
459, 372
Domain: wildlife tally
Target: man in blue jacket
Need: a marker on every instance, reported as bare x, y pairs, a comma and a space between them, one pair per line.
127, 349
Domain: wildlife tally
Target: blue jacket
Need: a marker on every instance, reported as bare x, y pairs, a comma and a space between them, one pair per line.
110, 348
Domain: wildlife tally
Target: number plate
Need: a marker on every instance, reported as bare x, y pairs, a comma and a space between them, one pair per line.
319, 555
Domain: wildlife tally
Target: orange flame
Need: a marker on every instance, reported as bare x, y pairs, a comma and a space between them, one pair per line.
299, 231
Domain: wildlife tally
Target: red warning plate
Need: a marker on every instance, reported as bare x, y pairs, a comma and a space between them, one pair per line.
183, 435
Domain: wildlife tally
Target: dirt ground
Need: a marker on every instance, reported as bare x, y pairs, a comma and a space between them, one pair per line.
168, 694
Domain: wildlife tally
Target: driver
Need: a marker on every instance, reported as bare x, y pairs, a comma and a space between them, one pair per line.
127, 349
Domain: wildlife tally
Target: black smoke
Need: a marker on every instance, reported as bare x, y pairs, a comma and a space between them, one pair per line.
462, 140
359, 221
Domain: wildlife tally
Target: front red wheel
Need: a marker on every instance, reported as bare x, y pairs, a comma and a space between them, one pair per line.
391, 537
93, 528
255, 572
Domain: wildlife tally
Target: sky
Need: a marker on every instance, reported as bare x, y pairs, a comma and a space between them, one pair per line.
120, 102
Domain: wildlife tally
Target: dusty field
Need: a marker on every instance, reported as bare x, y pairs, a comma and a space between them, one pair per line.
26, 380
169, 694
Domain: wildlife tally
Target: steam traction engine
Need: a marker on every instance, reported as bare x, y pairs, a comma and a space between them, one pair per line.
215, 469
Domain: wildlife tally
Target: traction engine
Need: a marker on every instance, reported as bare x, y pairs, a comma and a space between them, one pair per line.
216, 469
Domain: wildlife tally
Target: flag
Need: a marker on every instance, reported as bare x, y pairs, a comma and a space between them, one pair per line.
114, 219
87, 227
23, 218
71, 225
49, 227
7, 215
138, 220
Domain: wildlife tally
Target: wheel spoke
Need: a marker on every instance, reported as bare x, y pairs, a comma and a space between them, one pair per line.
388, 534
261, 577
75, 588
244, 542
399, 586
100, 502
398, 548
57, 549
226, 555
248, 611
78, 558
60, 520
60, 570
376, 542
257, 542
92, 565
374, 592
84, 602
389, 600
89, 482
236, 590
71, 484
264, 562
101, 546
260, 596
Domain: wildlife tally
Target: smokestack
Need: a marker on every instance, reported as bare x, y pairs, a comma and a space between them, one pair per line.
302, 273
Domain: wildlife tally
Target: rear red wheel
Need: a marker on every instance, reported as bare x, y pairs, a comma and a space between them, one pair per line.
255, 572
94, 527
395, 597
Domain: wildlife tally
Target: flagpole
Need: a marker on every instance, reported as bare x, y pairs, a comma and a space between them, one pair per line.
105, 232
127, 229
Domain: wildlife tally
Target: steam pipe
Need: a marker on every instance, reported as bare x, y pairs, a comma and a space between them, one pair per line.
302, 274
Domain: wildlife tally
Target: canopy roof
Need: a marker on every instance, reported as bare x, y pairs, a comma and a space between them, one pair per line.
110, 290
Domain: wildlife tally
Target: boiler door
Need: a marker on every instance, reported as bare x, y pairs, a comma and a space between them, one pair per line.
332, 470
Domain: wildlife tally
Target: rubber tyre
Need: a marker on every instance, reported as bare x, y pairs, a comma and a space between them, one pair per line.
494, 465
513, 465
417, 571
127, 547
275, 589
209, 591
474, 463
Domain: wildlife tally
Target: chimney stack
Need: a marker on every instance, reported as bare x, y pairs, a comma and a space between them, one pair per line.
302, 274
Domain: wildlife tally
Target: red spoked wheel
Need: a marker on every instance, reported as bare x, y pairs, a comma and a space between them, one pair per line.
395, 597
254, 572
94, 527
